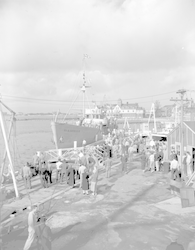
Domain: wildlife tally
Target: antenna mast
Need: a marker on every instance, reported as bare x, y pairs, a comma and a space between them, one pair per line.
84, 86
182, 100
152, 112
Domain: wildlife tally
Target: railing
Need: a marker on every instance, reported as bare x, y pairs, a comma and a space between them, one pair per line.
73, 153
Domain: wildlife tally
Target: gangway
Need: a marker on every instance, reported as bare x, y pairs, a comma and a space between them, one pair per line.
73, 153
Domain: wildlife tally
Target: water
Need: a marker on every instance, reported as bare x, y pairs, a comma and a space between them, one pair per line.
30, 136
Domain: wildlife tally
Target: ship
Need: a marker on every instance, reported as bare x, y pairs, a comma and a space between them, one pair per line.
89, 130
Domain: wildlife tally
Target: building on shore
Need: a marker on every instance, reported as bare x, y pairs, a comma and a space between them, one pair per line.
125, 110
174, 111
93, 113
167, 111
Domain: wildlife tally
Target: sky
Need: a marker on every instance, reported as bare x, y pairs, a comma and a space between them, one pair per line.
139, 50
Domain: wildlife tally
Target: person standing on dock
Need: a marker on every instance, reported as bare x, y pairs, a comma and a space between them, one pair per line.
26, 174
94, 178
76, 167
42, 157
71, 176
91, 162
58, 169
36, 161
83, 159
145, 160
151, 160
82, 169
174, 169
63, 171
156, 160
49, 169
85, 182
124, 159
33, 232
108, 164
44, 176
130, 153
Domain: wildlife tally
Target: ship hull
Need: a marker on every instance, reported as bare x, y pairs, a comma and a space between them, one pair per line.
65, 135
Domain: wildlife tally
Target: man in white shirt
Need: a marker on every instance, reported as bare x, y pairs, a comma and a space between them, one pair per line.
152, 143
26, 174
174, 169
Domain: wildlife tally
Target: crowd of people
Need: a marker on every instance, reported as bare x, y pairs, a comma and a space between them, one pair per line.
183, 169
86, 166
118, 144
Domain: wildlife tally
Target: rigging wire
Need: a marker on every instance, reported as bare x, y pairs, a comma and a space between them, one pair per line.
71, 106
64, 101
77, 108
88, 101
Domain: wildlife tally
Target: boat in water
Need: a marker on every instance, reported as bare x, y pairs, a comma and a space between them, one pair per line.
65, 135
88, 130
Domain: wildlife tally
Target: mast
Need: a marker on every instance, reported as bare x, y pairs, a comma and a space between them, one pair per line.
83, 89
84, 86
182, 92
152, 111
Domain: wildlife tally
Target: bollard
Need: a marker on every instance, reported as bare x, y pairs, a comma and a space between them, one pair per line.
75, 145
59, 152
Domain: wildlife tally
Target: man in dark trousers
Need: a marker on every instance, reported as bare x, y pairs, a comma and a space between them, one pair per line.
49, 170
44, 175
36, 161
71, 176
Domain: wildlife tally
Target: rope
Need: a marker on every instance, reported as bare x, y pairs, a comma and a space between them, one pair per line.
71, 106
17, 148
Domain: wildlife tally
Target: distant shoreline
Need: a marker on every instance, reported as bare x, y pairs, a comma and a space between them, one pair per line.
42, 117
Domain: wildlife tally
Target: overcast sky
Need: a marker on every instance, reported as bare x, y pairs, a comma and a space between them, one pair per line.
137, 48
